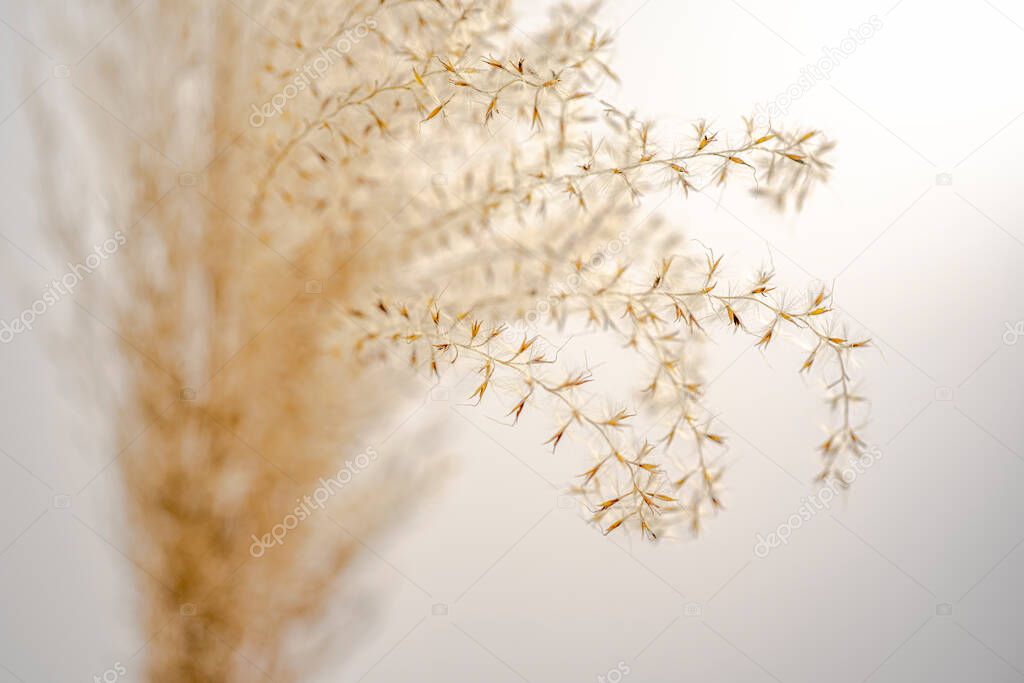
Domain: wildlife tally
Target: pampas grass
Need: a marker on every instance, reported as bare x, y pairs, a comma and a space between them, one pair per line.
232, 402
319, 184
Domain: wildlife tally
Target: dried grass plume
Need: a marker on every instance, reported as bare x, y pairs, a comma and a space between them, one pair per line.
313, 185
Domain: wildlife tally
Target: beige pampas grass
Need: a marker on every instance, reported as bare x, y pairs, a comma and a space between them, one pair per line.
323, 183
235, 405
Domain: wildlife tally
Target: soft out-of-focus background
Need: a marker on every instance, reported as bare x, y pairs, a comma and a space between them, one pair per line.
913, 575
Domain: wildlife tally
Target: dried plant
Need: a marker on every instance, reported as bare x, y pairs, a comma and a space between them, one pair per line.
227, 398
411, 180
547, 176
